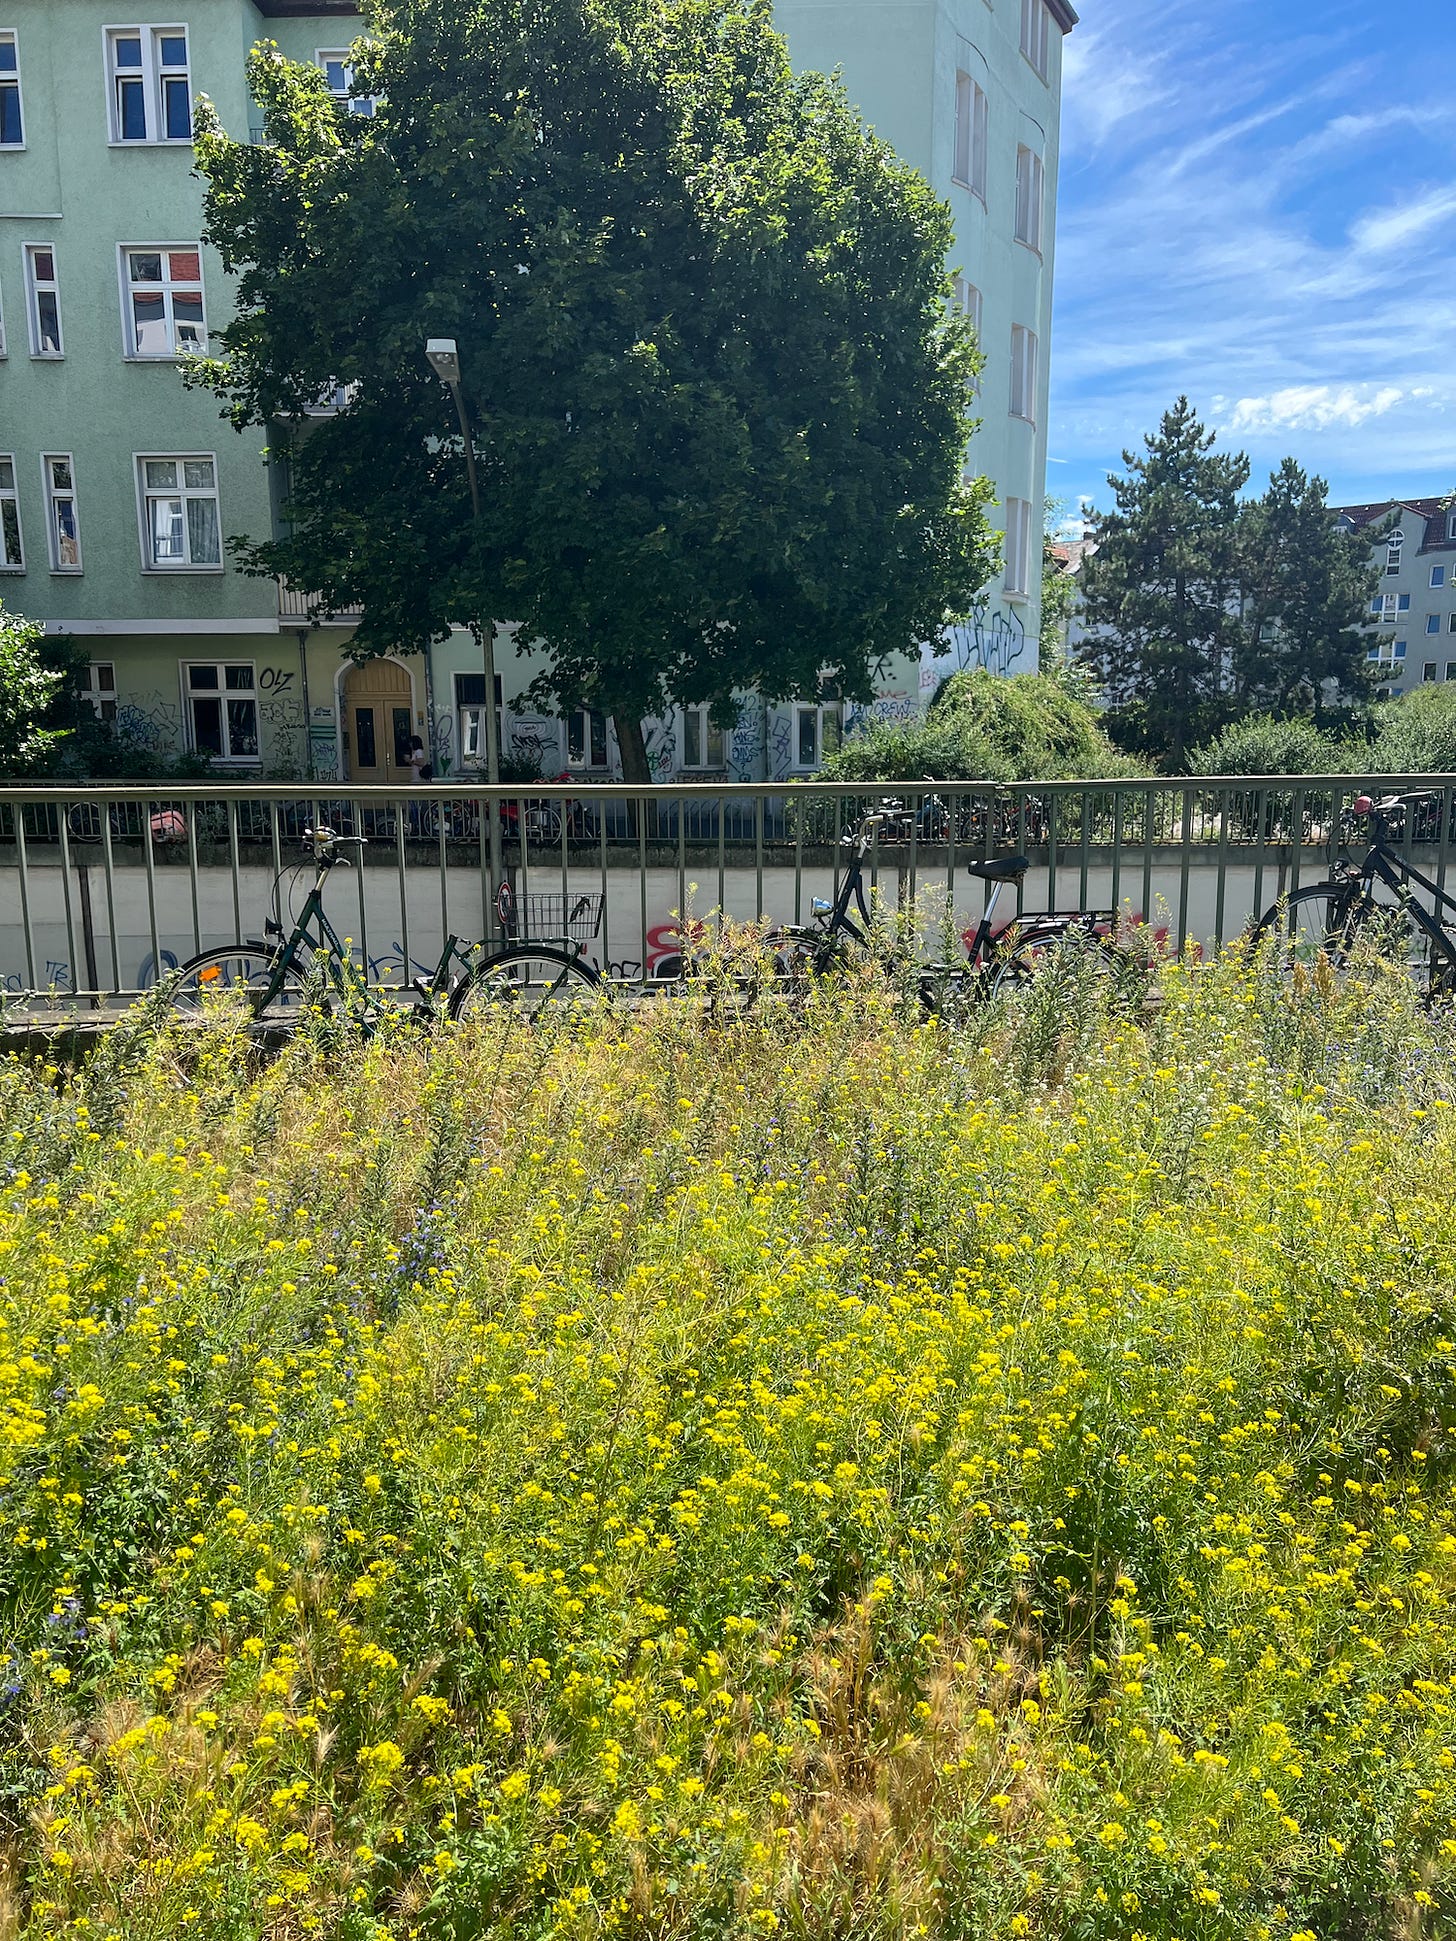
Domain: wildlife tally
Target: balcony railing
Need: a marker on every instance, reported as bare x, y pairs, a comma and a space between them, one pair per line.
294, 604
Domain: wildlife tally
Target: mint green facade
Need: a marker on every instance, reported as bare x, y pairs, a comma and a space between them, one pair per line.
152, 482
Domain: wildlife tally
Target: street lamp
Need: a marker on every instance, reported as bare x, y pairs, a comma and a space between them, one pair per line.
443, 356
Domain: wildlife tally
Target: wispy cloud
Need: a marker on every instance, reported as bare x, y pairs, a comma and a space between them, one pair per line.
1239, 223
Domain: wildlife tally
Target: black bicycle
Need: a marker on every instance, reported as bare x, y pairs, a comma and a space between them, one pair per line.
310, 963
1371, 904
996, 959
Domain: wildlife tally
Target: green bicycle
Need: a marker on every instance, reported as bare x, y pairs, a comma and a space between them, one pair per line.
278, 978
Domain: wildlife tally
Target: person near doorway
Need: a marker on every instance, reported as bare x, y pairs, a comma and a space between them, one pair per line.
421, 770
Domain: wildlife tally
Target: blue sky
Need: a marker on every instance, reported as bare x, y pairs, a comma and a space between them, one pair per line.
1258, 207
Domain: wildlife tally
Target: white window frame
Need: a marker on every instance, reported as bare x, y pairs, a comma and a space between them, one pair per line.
227, 759
470, 719
183, 492
968, 157
1391, 608
1036, 23
1438, 576
828, 717
166, 288
355, 104
1016, 571
1428, 670
1451, 525
968, 302
1393, 549
37, 286
707, 734
1025, 372
53, 497
101, 693
10, 78
1451, 624
584, 765
10, 495
153, 75
1030, 197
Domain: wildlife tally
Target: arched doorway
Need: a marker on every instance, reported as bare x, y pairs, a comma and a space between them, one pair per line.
378, 721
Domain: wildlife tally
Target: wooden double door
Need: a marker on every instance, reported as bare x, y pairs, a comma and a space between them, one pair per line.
378, 723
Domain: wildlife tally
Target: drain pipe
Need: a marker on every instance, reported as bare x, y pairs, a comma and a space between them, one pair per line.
307, 710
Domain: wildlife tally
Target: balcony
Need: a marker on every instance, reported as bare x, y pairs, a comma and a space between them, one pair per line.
295, 605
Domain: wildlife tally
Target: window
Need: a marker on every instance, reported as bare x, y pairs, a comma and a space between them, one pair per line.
339, 73
1035, 33
151, 96
470, 715
1433, 623
12, 134
1030, 195
162, 301
1451, 624
1438, 576
63, 525
818, 731
1390, 605
43, 301
1428, 671
180, 530
702, 741
1023, 372
968, 164
1386, 651
12, 553
1451, 670
222, 709
586, 738
1017, 574
1451, 525
100, 689
1393, 551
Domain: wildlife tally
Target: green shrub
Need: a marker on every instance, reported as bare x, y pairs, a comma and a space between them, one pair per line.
1263, 744
1415, 734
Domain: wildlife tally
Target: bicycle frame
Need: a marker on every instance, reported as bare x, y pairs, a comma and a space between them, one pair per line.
301, 948
1382, 864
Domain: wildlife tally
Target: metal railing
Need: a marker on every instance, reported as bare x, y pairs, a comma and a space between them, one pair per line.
295, 604
103, 889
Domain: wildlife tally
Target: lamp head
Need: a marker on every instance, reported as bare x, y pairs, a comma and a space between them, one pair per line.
443, 355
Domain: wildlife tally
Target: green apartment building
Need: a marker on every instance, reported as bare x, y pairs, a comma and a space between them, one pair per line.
119, 488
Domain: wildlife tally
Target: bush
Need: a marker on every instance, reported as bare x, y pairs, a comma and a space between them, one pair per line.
1415, 734
825, 1476
981, 727
1264, 744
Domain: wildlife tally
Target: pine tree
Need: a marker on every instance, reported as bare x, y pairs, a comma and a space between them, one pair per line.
1161, 590
1307, 589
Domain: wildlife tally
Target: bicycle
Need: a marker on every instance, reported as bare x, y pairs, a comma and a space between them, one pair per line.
281, 974
995, 960
1329, 919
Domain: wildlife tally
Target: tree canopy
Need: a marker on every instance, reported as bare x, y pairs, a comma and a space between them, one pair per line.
719, 402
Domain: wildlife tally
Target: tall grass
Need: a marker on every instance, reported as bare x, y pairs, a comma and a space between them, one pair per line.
714, 1474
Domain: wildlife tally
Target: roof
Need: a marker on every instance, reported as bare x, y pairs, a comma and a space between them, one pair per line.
1433, 511
1062, 14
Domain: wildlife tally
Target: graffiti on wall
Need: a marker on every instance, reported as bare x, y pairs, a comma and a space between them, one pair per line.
149, 721
993, 639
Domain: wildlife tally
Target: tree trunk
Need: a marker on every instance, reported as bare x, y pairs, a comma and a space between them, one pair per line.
632, 746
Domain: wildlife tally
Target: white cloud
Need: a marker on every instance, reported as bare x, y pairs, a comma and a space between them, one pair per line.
1393, 228
1308, 407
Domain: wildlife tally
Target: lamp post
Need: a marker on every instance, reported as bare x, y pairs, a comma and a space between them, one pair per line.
443, 357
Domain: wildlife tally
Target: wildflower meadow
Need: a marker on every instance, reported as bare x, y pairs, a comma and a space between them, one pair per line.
690, 1474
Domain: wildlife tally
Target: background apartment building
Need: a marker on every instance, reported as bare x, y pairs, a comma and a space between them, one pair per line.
1413, 616
119, 488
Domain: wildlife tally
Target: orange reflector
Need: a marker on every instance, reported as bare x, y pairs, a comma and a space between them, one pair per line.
206, 976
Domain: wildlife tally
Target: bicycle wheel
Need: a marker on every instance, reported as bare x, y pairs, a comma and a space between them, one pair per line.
246, 968
1322, 920
529, 977
1099, 958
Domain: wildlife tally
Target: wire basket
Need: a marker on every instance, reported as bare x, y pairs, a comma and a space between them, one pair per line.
546, 916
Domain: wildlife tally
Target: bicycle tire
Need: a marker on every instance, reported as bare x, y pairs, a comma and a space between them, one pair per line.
246, 966
1016, 970
530, 978
1319, 920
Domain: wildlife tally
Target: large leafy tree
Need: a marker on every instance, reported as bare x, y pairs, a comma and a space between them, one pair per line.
1306, 589
32, 694
718, 401
1161, 591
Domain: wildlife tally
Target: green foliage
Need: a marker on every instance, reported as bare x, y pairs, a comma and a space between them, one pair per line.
719, 404
1415, 734
1306, 589
31, 694
673, 1477
980, 727
1267, 744
1160, 590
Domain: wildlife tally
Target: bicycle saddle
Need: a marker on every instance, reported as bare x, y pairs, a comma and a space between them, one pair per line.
1001, 869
